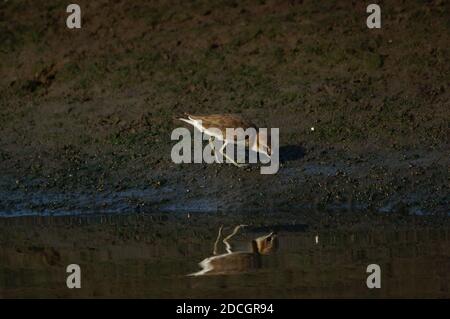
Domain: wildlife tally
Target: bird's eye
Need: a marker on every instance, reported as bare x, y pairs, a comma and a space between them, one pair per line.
269, 239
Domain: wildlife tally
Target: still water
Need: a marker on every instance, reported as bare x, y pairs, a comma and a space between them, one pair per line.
151, 256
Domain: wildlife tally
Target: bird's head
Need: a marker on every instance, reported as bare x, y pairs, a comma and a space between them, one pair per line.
265, 245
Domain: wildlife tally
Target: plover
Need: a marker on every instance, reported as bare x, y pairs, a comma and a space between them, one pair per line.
237, 261
206, 124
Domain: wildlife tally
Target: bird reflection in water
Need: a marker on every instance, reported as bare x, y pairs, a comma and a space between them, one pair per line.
235, 262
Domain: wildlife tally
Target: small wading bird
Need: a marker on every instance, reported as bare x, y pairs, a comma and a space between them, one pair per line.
239, 261
207, 123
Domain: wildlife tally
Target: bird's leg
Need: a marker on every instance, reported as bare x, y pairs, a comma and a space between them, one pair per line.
223, 147
211, 140
225, 240
229, 158
211, 143
215, 252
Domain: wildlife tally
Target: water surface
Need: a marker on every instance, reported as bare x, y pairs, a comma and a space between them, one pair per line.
149, 256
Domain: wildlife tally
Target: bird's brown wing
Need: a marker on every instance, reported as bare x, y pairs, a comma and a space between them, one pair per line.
222, 121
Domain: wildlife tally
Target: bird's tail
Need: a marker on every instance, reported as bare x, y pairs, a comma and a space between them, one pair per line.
188, 120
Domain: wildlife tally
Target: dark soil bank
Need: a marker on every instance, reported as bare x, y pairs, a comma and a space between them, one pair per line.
86, 114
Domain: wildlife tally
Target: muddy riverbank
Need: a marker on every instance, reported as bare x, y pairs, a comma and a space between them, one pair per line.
91, 110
